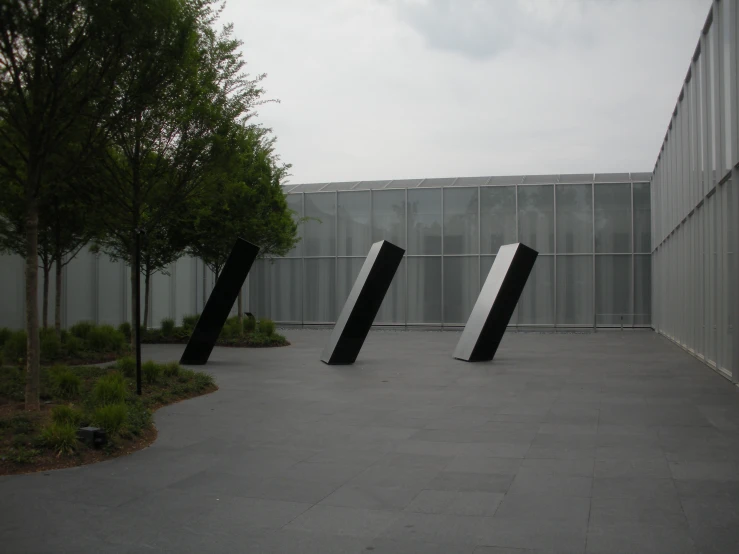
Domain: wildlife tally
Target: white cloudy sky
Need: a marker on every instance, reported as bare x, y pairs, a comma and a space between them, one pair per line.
373, 89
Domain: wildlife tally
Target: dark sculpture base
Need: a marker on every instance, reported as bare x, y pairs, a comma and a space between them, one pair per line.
494, 307
219, 304
363, 303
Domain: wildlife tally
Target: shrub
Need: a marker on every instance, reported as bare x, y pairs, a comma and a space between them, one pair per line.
186, 375
20, 424
151, 371
127, 366
189, 321
203, 381
168, 327
67, 414
60, 437
111, 417
12, 383
172, 369
65, 382
81, 329
231, 329
267, 327
5, 334
109, 389
14, 348
51, 346
73, 345
21, 455
139, 417
126, 329
106, 339
250, 324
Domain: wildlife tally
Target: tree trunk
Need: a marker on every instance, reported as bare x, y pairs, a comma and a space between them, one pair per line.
45, 307
32, 344
147, 280
58, 296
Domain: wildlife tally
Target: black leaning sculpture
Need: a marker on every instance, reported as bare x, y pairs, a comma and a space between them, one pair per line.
363, 303
220, 302
494, 307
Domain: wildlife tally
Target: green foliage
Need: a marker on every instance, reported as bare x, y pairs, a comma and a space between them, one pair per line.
12, 383
250, 324
109, 389
73, 346
60, 437
51, 346
171, 369
231, 329
65, 383
14, 348
81, 329
126, 329
189, 321
19, 424
67, 414
267, 327
106, 339
110, 417
127, 366
203, 381
186, 375
5, 334
21, 455
139, 417
168, 325
151, 371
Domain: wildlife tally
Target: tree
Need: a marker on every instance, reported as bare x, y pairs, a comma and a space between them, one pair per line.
246, 201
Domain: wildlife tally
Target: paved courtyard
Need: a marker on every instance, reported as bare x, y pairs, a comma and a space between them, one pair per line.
608, 443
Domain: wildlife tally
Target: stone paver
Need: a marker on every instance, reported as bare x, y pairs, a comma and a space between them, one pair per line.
579, 443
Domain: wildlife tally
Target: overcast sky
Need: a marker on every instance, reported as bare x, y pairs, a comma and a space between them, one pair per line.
375, 89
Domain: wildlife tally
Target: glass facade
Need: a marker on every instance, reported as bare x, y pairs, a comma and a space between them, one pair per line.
592, 233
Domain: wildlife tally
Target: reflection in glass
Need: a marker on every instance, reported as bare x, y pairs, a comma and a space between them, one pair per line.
320, 232
574, 290
613, 218
295, 203
424, 221
320, 290
354, 223
536, 306
642, 218
460, 221
461, 287
613, 290
574, 219
388, 216
424, 290
536, 217
497, 218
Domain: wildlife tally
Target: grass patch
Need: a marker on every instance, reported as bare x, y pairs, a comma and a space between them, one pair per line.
102, 396
248, 334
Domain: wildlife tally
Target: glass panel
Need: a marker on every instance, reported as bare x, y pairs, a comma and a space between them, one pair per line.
574, 218
424, 221
727, 17
287, 279
354, 223
536, 217
613, 218
613, 290
348, 271
388, 216
461, 287
497, 218
320, 232
536, 305
295, 203
460, 221
320, 290
642, 218
574, 290
643, 290
393, 306
259, 289
424, 290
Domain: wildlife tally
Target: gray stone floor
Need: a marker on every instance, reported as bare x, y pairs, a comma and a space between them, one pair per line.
610, 443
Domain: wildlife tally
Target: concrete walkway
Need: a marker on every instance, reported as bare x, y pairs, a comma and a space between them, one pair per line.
607, 443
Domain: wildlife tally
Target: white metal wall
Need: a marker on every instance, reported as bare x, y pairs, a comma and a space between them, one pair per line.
96, 289
695, 203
